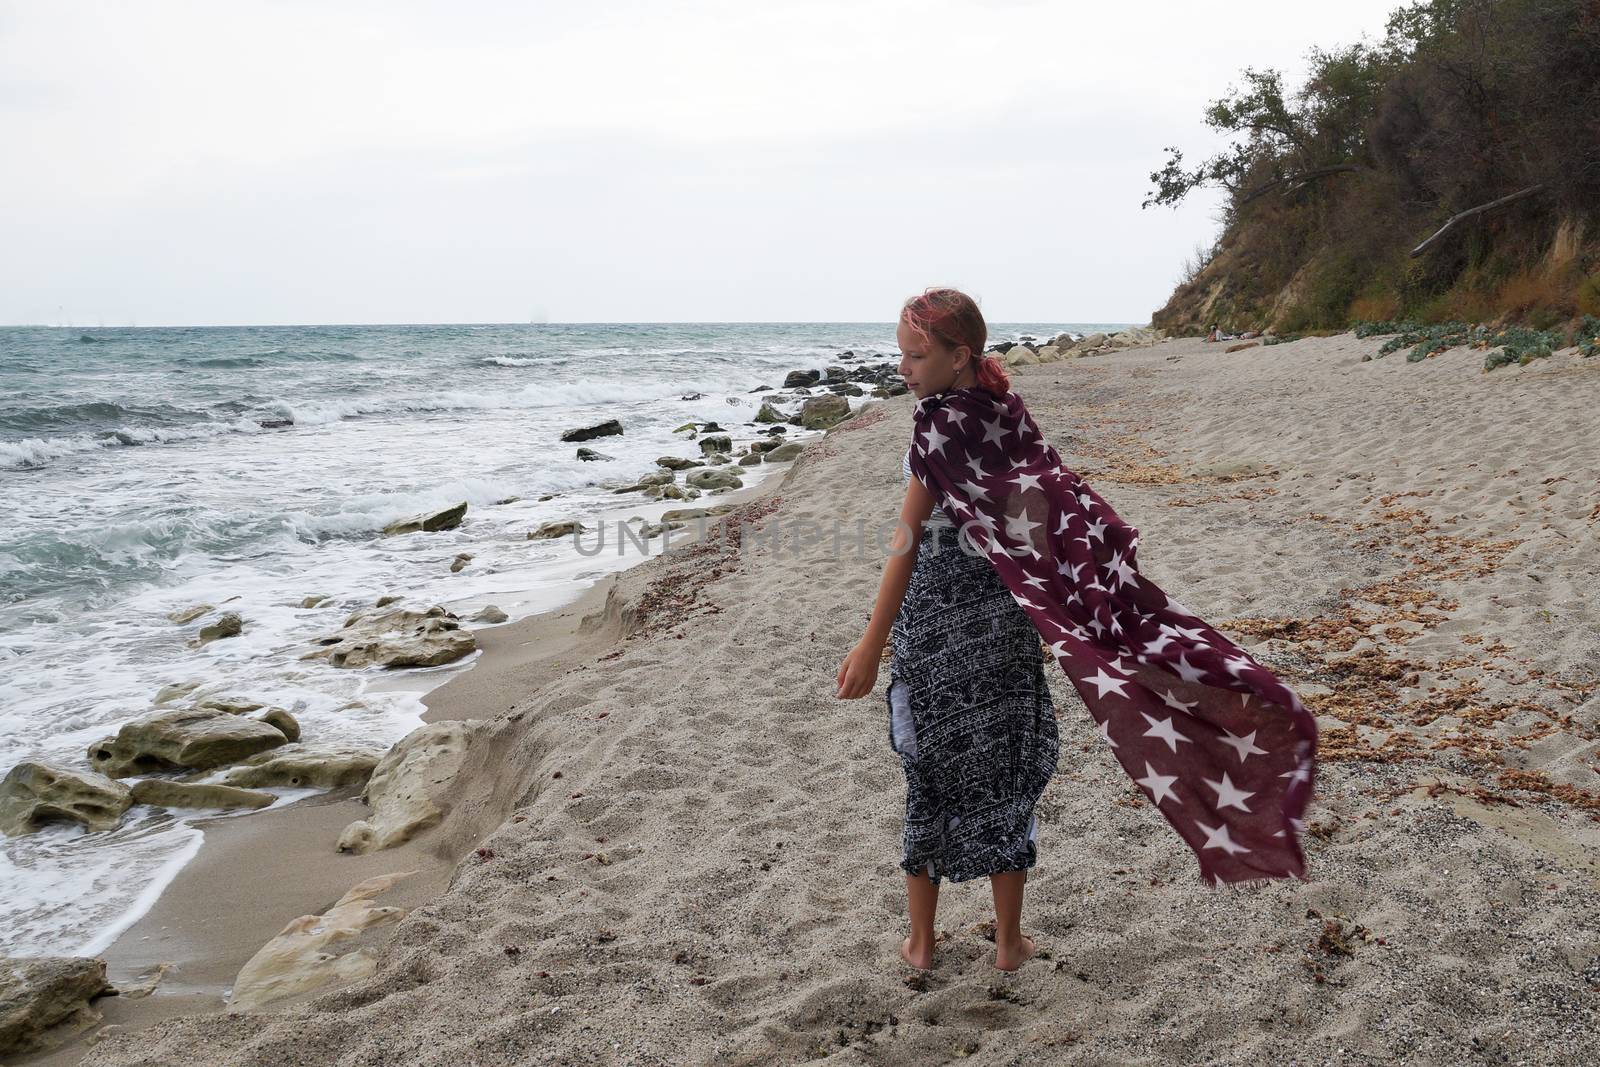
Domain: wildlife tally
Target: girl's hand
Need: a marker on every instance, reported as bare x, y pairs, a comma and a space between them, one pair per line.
859, 672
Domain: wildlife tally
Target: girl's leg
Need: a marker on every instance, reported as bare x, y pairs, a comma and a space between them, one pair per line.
1011, 948
922, 900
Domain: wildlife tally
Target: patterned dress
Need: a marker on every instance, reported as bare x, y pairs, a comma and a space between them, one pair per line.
970, 715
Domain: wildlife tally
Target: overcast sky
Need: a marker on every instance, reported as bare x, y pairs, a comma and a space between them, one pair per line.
284, 162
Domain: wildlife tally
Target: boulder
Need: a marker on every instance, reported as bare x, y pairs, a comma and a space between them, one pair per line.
1049, 354
677, 463
801, 378
785, 452
821, 412
1021, 356
448, 519
190, 738
589, 455
34, 794
673, 492
719, 442
229, 625
609, 428
662, 477
397, 637
847, 389
459, 564
490, 614
313, 601
314, 951
301, 766
385, 601
768, 413
718, 459
750, 460
713, 479
165, 793
557, 528
44, 1000
1094, 340
760, 447
404, 790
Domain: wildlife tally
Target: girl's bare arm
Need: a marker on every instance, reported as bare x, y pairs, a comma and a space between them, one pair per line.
914, 511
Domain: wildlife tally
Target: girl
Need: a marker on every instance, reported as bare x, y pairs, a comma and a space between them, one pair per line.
970, 711
1224, 750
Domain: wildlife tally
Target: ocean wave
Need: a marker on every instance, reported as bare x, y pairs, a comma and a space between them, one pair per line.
35, 452
92, 413
511, 361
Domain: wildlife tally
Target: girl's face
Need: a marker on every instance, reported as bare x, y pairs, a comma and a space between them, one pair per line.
930, 366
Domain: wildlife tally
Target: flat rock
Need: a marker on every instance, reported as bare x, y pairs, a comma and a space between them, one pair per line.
165, 793
448, 519
302, 766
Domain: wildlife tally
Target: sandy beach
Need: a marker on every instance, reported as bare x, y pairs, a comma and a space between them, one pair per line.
671, 844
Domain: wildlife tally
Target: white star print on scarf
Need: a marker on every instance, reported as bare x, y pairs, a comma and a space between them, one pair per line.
1225, 750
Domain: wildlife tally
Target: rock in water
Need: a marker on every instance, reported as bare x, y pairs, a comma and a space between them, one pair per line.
192, 738
34, 794
163, 793
316, 950
717, 442
768, 413
448, 519
403, 791
796, 378
490, 614
713, 479
397, 637
43, 1000
608, 428
556, 528
188, 615
229, 625
305, 767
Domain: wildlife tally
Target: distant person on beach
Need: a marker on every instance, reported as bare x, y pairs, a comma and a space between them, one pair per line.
1212, 333
1020, 547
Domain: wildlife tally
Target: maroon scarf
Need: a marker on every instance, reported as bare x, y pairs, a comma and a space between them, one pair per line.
1223, 749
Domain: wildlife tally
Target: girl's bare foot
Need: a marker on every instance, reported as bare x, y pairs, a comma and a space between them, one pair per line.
1010, 957
921, 958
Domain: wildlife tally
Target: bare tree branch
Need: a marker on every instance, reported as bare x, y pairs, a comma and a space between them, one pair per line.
1303, 176
1518, 195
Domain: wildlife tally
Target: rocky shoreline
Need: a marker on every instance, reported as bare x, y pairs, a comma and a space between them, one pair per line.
213, 751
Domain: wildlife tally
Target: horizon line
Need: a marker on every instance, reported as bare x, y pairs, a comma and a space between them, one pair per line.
554, 322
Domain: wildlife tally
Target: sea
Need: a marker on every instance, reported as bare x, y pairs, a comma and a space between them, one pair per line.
145, 471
